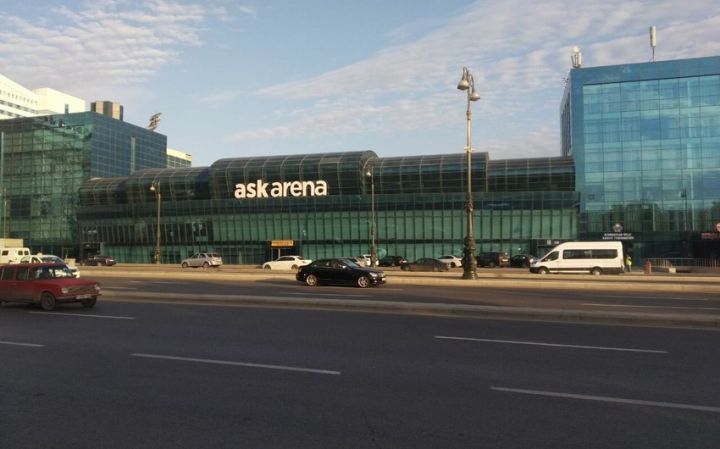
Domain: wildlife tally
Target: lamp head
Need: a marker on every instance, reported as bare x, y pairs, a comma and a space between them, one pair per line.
474, 96
464, 83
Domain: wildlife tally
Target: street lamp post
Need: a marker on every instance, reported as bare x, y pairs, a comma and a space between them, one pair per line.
467, 83
373, 247
155, 187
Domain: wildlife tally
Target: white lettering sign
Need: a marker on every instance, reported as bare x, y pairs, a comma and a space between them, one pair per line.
261, 189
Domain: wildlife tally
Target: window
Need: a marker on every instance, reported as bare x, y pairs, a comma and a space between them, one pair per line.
589, 254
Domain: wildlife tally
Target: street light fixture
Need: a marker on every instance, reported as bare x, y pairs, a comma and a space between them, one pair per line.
467, 83
373, 247
155, 187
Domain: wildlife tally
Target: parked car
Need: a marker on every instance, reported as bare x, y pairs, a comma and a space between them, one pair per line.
49, 258
286, 263
99, 259
340, 271
46, 284
392, 261
367, 259
452, 261
205, 260
522, 260
426, 264
493, 259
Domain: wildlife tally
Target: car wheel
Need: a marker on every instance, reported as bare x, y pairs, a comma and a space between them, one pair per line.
184, 265
363, 282
294, 267
206, 265
311, 280
267, 267
454, 265
89, 303
543, 270
491, 265
47, 301
597, 271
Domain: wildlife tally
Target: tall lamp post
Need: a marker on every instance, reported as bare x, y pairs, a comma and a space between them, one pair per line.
373, 247
467, 83
155, 187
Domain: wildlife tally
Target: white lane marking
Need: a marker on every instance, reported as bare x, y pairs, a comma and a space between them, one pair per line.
585, 397
231, 363
647, 297
13, 343
553, 345
329, 294
650, 307
119, 288
86, 316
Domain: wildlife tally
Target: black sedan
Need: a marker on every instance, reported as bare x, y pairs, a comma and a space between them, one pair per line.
522, 260
392, 261
426, 264
339, 272
99, 260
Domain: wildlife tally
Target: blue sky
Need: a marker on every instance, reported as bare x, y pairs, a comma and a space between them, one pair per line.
235, 78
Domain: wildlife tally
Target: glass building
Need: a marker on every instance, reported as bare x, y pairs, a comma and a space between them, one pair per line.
646, 143
43, 162
250, 210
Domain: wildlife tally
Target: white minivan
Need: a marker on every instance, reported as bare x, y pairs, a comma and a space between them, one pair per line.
582, 257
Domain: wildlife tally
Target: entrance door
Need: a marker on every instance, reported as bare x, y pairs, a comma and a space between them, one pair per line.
279, 248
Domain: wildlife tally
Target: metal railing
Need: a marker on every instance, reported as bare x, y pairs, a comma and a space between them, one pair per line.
682, 264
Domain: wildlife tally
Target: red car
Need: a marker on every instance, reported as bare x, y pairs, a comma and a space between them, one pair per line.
46, 284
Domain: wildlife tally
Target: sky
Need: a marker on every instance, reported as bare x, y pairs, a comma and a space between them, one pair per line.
237, 78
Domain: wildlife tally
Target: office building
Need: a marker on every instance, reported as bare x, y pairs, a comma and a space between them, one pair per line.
45, 159
645, 139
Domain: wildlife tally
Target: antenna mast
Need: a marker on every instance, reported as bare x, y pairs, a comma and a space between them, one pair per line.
653, 41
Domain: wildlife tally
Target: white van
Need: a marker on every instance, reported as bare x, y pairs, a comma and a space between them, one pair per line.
582, 257
12, 255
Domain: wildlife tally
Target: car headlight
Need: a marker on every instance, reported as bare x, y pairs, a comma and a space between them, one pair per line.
374, 274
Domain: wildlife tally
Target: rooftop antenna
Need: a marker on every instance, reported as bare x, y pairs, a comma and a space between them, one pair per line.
653, 41
576, 58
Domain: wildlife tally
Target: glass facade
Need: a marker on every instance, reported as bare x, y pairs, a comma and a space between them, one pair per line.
318, 205
646, 144
46, 159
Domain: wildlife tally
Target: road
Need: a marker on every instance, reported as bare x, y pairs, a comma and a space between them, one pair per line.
658, 302
167, 375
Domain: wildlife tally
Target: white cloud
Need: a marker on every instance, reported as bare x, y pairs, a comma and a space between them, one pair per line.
519, 52
88, 50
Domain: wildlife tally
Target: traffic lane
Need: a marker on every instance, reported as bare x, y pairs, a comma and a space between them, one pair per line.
215, 333
611, 300
398, 382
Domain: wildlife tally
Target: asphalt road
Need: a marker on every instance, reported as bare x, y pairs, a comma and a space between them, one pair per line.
148, 375
665, 302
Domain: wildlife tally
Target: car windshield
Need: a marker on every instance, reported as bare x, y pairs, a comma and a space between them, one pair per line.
59, 271
52, 259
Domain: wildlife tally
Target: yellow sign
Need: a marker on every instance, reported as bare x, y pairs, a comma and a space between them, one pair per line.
281, 243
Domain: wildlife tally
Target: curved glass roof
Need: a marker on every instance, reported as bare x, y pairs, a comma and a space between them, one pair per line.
342, 171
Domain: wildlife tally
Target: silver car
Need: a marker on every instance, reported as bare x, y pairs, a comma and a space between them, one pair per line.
205, 260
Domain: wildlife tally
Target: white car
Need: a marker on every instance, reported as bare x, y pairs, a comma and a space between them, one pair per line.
286, 263
451, 261
49, 258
